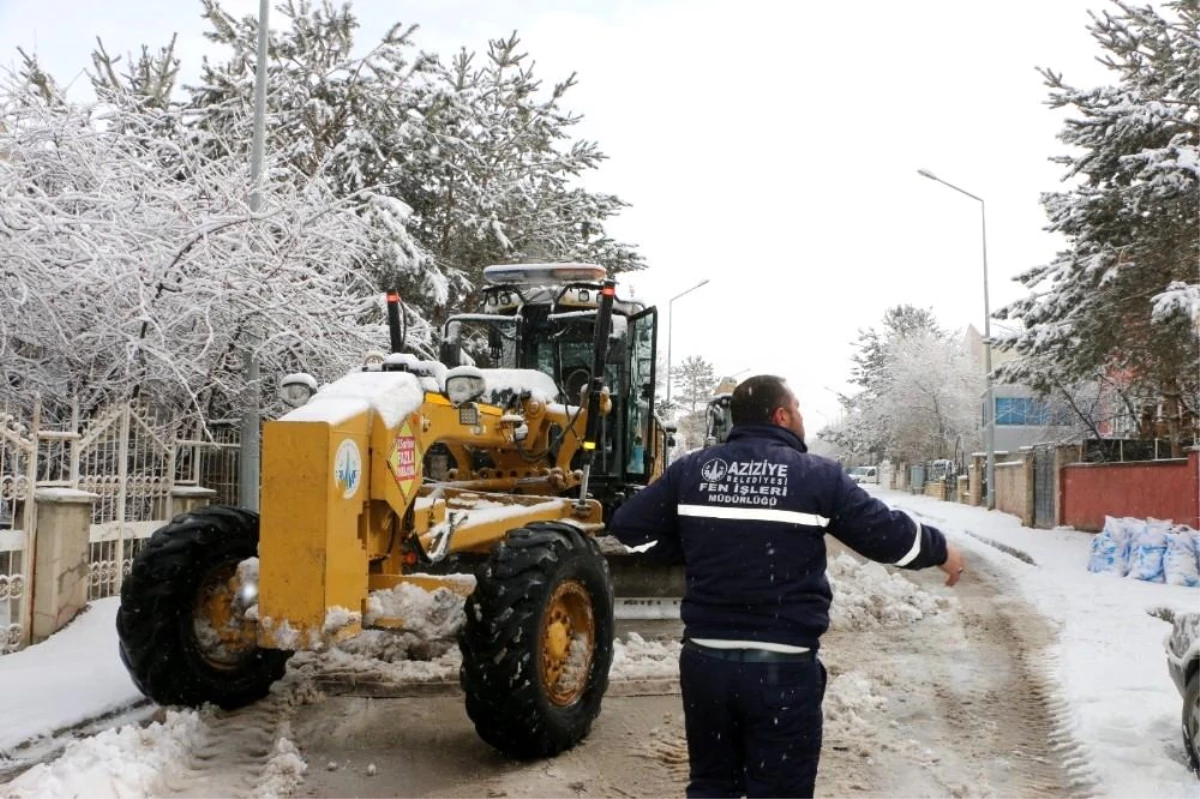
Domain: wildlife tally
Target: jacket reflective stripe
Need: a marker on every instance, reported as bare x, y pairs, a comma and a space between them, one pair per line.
916, 547
759, 515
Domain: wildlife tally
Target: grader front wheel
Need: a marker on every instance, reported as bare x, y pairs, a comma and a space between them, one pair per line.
184, 635
538, 641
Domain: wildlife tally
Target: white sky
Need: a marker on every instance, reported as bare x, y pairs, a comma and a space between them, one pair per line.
769, 146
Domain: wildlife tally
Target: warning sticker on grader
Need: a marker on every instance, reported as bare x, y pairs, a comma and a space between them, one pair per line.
403, 459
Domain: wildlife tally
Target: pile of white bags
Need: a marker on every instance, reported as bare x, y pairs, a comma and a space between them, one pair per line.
1153, 550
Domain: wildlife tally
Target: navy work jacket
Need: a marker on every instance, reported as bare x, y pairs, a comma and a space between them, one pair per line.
748, 520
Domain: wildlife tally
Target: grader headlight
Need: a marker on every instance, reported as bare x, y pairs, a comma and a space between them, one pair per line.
464, 384
297, 389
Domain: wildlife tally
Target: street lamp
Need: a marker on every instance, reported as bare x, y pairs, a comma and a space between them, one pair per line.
670, 325
989, 416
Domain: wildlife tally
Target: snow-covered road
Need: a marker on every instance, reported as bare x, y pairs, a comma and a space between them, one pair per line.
1031, 678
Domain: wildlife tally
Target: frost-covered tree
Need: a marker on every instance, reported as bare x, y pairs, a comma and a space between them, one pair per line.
870, 357
920, 396
928, 405
1123, 298
133, 267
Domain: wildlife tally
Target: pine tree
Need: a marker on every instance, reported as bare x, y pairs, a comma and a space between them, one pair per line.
695, 380
479, 152
1123, 297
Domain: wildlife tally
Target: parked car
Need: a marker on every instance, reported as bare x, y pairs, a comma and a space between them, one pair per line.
1183, 663
864, 474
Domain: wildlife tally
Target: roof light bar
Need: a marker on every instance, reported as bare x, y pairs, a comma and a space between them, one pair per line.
543, 274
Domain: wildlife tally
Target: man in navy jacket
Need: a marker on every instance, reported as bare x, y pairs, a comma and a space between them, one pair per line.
748, 520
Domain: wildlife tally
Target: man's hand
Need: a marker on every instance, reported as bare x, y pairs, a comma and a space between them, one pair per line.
954, 564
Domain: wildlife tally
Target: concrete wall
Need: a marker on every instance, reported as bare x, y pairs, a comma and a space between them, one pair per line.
1014, 488
1162, 489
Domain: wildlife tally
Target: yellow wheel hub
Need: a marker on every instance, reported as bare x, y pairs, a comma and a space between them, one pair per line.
223, 634
567, 642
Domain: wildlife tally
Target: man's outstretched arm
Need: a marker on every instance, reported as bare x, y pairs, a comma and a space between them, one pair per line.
871, 528
651, 517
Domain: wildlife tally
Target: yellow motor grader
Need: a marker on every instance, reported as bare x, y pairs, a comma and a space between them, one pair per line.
534, 424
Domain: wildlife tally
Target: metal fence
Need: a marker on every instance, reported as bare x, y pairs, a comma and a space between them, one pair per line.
131, 457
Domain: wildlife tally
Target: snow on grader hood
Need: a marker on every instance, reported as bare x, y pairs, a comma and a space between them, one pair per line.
219, 598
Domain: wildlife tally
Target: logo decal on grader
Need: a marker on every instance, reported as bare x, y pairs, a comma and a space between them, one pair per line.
347, 468
403, 459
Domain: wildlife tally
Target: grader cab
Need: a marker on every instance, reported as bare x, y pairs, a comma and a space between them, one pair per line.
537, 422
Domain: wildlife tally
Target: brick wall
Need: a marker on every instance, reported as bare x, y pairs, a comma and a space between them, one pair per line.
1162, 489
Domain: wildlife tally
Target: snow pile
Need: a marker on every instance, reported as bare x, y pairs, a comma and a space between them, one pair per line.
851, 706
1151, 550
125, 762
284, 771
638, 659
866, 596
433, 617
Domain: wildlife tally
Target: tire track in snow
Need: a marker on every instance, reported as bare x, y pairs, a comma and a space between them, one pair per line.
960, 704
247, 752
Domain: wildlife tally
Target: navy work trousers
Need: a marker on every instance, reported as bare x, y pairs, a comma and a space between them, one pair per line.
753, 728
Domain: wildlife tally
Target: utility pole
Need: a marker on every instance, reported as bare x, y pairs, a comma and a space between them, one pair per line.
249, 467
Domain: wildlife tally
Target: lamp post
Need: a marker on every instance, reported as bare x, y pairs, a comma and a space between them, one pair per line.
670, 325
989, 416
251, 428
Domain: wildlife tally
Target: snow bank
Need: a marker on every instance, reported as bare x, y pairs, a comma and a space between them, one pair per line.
1108, 658
866, 596
434, 616
74, 676
126, 762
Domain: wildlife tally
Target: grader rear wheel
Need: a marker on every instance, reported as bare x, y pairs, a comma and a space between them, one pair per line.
538, 641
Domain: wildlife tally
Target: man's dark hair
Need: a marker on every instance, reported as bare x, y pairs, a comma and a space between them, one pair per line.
755, 399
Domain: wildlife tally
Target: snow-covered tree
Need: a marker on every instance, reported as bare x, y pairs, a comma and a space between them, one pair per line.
693, 381
692, 384
921, 392
477, 147
1123, 298
355, 120
133, 266
139, 268
930, 399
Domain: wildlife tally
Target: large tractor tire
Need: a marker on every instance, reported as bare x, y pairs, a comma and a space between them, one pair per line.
183, 633
537, 642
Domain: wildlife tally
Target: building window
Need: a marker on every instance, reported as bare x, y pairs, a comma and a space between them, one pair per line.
1030, 412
